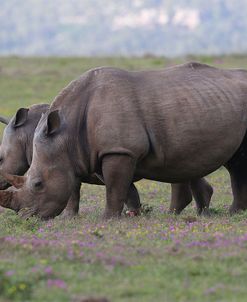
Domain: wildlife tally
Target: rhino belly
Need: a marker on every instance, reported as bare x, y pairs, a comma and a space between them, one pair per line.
191, 156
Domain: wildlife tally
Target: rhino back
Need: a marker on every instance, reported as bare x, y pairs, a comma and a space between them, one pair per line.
178, 119
172, 121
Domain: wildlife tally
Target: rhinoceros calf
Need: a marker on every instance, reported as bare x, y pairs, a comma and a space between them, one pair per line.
172, 125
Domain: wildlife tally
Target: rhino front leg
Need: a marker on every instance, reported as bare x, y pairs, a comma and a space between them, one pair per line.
202, 192
72, 207
117, 182
181, 196
133, 201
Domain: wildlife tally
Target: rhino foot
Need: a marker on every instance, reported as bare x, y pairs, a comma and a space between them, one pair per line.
133, 212
108, 214
236, 210
204, 212
68, 214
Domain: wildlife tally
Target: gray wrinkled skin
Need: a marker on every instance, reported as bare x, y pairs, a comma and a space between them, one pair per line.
172, 125
16, 156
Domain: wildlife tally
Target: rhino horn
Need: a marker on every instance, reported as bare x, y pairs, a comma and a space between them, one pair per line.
4, 120
14, 180
6, 199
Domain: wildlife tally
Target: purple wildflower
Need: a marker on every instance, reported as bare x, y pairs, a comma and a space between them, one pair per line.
9, 273
59, 283
48, 270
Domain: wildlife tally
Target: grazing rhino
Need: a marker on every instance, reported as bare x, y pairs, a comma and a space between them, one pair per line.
17, 148
16, 157
173, 125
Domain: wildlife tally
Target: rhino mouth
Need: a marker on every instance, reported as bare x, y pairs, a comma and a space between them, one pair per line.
26, 213
27, 203
9, 199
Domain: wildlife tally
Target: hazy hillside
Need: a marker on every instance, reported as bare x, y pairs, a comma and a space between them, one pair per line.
127, 27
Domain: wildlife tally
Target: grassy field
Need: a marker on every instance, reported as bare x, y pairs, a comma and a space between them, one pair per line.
154, 257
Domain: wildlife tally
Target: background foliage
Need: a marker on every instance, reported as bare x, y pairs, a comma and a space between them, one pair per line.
125, 27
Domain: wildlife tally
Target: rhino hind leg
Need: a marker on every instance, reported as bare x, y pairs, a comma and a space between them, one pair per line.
237, 168
133, 201
202, 192
239, 190
117, 181
180, 197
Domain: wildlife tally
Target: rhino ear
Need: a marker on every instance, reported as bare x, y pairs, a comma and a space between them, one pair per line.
4, 120
53, 123
20, 117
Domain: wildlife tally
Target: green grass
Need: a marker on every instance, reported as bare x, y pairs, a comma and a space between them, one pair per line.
155, 257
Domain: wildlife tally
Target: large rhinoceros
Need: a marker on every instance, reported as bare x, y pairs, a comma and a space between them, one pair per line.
173, 125
16, 157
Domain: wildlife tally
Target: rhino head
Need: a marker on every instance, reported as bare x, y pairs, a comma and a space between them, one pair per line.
46, 187
16, 146
12, 154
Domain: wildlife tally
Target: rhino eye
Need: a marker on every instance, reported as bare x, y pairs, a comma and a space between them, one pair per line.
38, 184
1, 160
